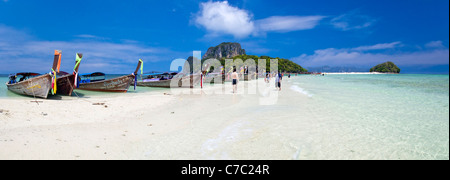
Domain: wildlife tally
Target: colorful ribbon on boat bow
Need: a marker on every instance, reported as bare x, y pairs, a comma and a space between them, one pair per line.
75, 72
142, 66
142, 72
53, 82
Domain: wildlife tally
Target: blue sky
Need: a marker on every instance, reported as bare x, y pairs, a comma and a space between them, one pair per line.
113, 35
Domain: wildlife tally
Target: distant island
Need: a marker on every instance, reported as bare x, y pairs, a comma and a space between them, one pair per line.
387, 67
228, 50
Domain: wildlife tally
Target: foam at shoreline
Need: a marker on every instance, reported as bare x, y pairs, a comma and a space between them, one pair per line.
301, 90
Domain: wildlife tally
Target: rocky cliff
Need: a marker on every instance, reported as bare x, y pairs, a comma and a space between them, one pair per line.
224, 50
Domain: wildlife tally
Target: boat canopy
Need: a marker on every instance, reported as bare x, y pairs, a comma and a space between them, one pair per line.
24, 74
160, 73
19, 77
93, 74
93, 77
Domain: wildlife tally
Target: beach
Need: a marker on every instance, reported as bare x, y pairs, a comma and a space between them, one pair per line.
314, 117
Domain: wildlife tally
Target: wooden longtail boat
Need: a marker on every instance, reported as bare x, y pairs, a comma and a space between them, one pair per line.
65, 81
33, 84
176, 82
210, 78
172, 80
120, 84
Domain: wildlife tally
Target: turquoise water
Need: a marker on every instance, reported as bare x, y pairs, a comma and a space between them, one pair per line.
386, 116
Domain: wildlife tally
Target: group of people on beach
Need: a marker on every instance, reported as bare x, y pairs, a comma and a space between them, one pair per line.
278, 79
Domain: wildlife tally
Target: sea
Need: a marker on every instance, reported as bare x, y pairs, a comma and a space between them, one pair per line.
393, 116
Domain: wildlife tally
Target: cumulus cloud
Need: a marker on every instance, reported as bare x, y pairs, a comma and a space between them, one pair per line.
362, 56
31, 54
220, 18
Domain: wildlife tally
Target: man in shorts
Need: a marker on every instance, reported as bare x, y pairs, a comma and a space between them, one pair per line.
235, 78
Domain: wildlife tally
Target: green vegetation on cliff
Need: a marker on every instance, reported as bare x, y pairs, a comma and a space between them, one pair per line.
284, 65
387, 67
234, 51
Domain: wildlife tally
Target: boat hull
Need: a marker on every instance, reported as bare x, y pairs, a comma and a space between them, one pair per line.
248, 77
35, 87
65, 85
120, 84
185, 82
211, 79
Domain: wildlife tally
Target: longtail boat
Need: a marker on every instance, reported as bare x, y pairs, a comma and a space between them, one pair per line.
98, 82
210, 78
165, 81
249, 77
31, 84
66, 82
172, 80
34, 84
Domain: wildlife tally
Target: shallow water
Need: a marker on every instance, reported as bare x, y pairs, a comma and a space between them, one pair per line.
378, 116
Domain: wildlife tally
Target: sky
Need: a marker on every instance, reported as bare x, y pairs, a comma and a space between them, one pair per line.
114, 34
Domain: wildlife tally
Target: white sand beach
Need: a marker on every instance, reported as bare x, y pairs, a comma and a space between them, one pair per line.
153, 125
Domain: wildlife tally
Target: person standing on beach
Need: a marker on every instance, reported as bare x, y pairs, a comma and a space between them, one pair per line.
281, 79
265, 76
278, 78
235, 78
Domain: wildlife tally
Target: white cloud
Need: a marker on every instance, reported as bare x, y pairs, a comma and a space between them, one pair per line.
352, 21
88, 36
288, 23
435, 44
378, 46
361, 56
220, 18
30, 54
